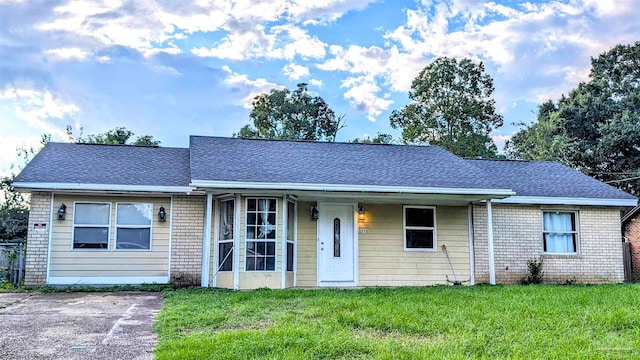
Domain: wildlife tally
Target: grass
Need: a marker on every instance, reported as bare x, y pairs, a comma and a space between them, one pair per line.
542, 322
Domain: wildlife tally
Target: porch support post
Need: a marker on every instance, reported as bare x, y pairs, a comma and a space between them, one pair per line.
283, 258
206, 243
492, 265
236, 242
472, 255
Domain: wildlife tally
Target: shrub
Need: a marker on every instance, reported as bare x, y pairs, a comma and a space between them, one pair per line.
535, 275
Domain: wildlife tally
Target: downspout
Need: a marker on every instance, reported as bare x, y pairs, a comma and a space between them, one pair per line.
206, 243
492, 265
472, 261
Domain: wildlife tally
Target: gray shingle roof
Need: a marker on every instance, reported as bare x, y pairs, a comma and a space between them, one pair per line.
108, 164
276, 161
546, 179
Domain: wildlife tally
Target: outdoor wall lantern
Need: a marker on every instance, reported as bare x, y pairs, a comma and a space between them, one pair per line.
62, 212
162, 215
361, 214
314, 213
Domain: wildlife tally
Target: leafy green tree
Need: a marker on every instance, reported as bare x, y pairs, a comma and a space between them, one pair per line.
596, 128
378, 139
118, 136
451, 106
296, 115
541, 140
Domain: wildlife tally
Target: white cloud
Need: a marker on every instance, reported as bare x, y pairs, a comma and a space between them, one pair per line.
500, 139
9, 160
40, 109
316, 82
68, 53
251, 88
362, 95
295, 71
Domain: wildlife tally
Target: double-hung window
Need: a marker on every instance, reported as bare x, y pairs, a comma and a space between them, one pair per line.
133, 226
225, 235
261, 234
560, 233
419, 228
91, 223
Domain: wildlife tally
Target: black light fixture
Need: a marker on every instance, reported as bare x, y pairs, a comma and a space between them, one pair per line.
361, 213
314, 213
162, 215
62, 212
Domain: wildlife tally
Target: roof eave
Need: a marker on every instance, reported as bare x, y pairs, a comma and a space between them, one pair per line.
548, 200
38, 186
215, 184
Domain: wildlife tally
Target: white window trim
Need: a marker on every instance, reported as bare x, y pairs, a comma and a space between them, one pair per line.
246, 240
576, 231
73, 225
405, 228
150, 226
219, 241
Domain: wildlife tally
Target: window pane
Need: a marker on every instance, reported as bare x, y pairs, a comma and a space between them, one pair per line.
419, 239
226, 220
271, 263
260, 248
225, 254
134, 214
251, 204
251, 232
419, 217
90, 238
290, 220
271, 248
560, 243
252, 219
290, 256
91, 214
134, 239
559, 221
251, 263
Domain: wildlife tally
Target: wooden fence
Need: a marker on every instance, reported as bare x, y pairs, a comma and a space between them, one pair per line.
626, 260
12, 259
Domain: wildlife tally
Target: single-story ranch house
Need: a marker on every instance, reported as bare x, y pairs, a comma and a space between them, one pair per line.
245, 214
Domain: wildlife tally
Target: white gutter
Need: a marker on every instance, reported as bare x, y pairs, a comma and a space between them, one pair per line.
101, 187
547, 200
345, 187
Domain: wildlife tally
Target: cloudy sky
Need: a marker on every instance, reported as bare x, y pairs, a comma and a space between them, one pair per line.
174, 68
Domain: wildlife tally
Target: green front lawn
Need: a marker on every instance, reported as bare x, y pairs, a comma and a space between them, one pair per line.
404, 323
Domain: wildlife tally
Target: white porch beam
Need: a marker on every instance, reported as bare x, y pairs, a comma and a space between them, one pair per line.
492, 265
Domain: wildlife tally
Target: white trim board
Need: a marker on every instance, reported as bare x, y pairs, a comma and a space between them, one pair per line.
101, 187
110, 280
566, 201
346, 187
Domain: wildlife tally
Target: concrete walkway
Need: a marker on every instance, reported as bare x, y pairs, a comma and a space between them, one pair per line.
78, 325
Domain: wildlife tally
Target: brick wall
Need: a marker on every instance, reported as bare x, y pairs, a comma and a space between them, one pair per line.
518, 237
38, 241
632, 233
186, 239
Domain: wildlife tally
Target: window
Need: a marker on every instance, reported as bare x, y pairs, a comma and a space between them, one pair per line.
133, 226
559, 231
419, 228
261, 234
336, 237
225, 235
290, 234
91, 222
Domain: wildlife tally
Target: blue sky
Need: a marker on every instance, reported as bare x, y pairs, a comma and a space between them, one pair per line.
175, 68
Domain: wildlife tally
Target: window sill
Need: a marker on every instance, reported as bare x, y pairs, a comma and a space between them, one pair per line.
420, 250
561, 256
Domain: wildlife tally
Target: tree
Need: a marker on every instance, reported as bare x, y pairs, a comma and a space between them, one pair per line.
378, 139
451, 107
116, 136
596, 128
541, 140
296, 115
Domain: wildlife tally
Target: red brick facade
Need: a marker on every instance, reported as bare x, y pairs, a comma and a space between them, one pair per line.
632, 234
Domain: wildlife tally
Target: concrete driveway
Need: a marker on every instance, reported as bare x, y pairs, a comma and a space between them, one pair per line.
78, 325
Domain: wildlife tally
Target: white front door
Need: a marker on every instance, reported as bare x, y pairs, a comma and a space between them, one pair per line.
336, 248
